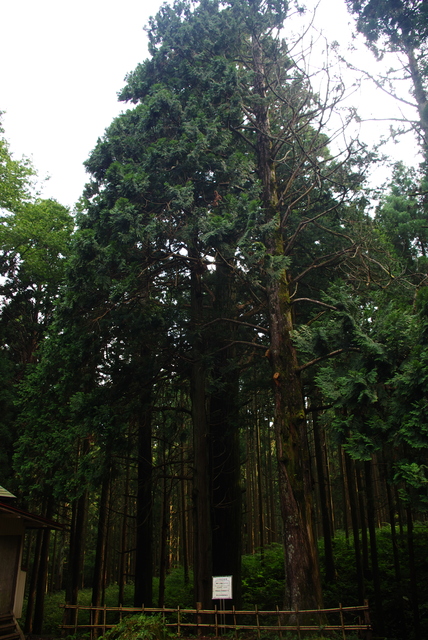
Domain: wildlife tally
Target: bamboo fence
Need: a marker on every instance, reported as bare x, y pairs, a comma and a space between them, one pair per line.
220, 621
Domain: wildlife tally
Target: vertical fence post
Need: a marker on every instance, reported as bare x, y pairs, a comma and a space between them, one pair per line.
178, 621
367, 618
256, 609
198, 617
234, 621
216, 620
341, 621
279, 622
298, 623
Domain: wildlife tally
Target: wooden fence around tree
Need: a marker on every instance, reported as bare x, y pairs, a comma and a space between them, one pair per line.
343, 620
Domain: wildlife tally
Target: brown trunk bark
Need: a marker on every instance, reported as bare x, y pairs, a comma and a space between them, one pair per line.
363, 527
164, 527
353, 502
202, 557
143, 592
76, 552
371, 515
303, 583
42, 575
330, 572
28, 628
99, 568
124, 539
224, 431
414, 592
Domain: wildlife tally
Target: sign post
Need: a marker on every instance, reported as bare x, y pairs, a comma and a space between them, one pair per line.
222, 590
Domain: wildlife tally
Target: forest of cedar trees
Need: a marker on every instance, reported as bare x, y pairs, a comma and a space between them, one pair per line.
222, 352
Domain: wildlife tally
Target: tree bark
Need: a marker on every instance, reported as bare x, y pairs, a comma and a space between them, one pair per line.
350, 476
42, 575
371, 514
303, 582
224, 430
29, 617
202, 498
99, 568
143, 591
330, 571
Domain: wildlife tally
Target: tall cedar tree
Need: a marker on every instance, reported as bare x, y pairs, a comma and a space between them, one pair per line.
221, 107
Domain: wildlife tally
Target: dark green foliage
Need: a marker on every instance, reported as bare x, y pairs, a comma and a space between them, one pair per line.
395, 20
263, 578
343, 590
177, 591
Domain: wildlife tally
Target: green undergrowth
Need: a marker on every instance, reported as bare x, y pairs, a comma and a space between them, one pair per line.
141, 627
263, 585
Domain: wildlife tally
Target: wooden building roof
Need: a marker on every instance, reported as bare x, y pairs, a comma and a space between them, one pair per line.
30, 520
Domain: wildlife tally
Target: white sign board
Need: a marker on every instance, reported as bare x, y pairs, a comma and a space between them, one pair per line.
222, 588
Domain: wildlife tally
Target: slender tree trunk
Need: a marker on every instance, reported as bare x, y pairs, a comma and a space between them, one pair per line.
164, 526
143, 591
183, 519
350, 476
77, 545
395, 553
42, 575
99, 568
363, 527
28, 628
258, 446
413, 574
371, 515
345, 493
124, 538
330, 571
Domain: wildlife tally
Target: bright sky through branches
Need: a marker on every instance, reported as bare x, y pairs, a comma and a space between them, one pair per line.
64, 62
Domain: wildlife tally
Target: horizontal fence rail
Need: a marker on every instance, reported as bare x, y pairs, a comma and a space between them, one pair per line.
218, 621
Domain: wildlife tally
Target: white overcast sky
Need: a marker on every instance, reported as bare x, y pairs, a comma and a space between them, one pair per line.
63, 62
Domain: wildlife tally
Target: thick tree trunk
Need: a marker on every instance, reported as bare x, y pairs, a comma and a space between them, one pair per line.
224, 430
303, 582
202, 498
301, 558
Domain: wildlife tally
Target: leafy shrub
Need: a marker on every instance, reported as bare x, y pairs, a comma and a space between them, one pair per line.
177, 591
141, 627
263, 578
